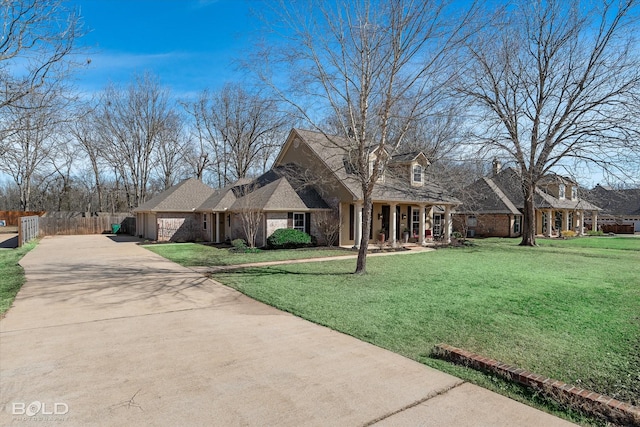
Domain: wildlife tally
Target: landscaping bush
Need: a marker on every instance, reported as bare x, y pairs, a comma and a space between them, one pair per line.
568, 233
238, 245
288, 238
595, 233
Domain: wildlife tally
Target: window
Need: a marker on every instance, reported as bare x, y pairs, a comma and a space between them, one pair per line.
298, 221
561, 191
472, 221
574, 193
417, 173
517, 224
437, 225
204, 221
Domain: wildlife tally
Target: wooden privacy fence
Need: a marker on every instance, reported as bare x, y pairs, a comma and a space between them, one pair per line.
87, 225
618, 228
12, 218
27, 229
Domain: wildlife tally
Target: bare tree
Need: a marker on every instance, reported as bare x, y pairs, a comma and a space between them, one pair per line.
36, 119
63, 158
328, 225
550, 82
197, 156
243, 129
83, 130
250, 213
173, 147
131, 124
37, 40
374, 66
252, 220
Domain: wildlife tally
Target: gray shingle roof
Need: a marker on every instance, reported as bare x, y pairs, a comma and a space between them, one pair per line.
183, 197
280, 189
330, 150
615, 202
222, 198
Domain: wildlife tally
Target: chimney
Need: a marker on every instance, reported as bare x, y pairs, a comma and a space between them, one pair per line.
496, 166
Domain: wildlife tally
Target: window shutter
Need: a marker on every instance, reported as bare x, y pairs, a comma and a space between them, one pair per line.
352, 212
307, 223
289, 219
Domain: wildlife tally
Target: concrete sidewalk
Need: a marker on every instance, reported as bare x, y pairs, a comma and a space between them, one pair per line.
105, 332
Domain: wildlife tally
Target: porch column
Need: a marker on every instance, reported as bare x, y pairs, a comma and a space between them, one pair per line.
422, 228
217, 216
357, 235
550, 223
594, 220
447, 224
580, 222
392, 225
565, 215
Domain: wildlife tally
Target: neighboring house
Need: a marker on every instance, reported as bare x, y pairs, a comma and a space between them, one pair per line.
619, 207
311, 187
492, 206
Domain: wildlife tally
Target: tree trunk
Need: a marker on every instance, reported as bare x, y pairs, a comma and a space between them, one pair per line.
361, 264
529, 215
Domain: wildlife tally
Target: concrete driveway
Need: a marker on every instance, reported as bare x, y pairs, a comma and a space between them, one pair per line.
105, 332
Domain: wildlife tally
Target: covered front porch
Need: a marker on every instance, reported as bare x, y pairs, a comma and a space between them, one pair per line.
396, 223
552, 222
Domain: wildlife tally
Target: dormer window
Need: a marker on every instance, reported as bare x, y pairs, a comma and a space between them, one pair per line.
417, 174
561, 191
574, 193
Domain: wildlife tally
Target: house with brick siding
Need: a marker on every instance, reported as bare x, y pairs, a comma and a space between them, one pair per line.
619, 207
174, 214
492, 206
310, 187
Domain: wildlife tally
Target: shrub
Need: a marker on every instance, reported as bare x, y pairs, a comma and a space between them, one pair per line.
238, 245
594, 233
568, 233
288, 238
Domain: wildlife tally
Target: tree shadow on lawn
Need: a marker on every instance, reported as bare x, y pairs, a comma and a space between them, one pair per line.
278, 271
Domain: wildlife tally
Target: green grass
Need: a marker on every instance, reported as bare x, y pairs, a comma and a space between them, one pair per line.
193, 254
11, 274
569, 309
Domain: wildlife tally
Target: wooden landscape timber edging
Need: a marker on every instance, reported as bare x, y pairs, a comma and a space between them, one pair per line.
587, 401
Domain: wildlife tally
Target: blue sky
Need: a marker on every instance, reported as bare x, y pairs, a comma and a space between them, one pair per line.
189, 44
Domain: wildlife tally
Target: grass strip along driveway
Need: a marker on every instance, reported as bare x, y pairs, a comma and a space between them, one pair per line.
198, 255
11, 274
569, 310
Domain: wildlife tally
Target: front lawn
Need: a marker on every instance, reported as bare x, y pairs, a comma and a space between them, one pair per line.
569, 310
11, 274
197, 255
